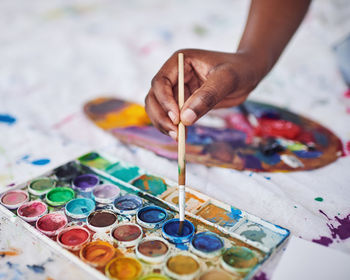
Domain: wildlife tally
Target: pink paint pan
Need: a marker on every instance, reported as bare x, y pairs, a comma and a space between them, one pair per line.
51, 224
31, 211
14, 199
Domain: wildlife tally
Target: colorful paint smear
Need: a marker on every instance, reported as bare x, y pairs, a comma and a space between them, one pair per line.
123, 172
193, 202
233, 145
94, 160
151, 184
220, 216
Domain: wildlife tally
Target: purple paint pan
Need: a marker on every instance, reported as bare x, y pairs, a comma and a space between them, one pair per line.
84, 184
106, 193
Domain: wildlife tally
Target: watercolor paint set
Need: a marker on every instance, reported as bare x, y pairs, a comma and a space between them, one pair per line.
116, 220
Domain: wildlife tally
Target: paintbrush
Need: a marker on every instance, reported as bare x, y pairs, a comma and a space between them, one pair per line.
181, 146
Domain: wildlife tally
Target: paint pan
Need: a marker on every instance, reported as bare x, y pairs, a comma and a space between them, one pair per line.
84, 184
152, 250
127, 235
41, 186
67, 172
182, 266
124, 268
50, 224
194, 200
206, 244
80, 208
170, 231
14, 199
59, 196
217, 274
73, 238
151, 184
31, 211
154, 276
151, 216
127, 204
106, 193
97, 253
238, 260
102, 220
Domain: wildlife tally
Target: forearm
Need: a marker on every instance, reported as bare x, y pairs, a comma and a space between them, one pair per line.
270, 26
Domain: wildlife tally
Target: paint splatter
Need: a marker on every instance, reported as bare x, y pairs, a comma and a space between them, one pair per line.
320, 199
9, 253
341, 231
36, 268
200, 30
7, 119
38, 162
261, 276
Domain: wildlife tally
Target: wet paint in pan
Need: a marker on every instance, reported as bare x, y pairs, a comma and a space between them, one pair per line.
151, 217
50, 224
239, 260
14, 199
84, 184
97, 253
73, 238
127, 204
102, 220
127, 235
106, 193
217, 274
41, 186
152, 250
154, 276
123, 268
79, 208
59, 196
182, 266
170, 231
67, 172
151, 184
206, 244
31, 211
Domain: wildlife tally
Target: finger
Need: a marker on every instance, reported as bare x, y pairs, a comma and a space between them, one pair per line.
158, 117
235, 100
163, 92
221, 82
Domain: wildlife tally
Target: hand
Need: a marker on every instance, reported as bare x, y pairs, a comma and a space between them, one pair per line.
212, 80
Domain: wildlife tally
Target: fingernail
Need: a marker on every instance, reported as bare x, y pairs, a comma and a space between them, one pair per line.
188, 116
172, 116
173, 134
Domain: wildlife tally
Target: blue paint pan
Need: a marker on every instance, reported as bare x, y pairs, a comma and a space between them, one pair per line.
79, 208
170, 231
127, 204
206, 244
151, 216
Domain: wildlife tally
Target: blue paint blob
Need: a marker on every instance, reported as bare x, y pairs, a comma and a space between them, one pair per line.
308, 154
170, 231
8, 119
36, 268
235, 214
207, 242
128, 203
80, 208
152, 214
42, 161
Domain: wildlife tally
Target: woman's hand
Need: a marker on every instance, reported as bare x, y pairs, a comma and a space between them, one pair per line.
212, 79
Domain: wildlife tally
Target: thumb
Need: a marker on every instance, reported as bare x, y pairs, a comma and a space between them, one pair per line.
221, 81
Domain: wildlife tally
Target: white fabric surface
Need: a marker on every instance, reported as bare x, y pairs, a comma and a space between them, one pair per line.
55, 55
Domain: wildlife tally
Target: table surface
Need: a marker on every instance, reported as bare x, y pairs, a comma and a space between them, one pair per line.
56, 55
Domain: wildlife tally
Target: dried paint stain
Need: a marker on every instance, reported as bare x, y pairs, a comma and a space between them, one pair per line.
220, 216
